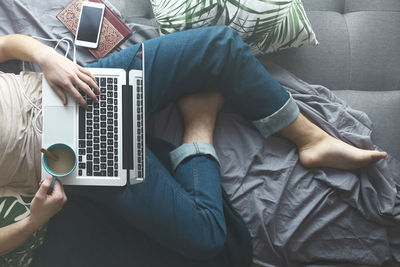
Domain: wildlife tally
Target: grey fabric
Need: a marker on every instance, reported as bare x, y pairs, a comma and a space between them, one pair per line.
329, 62
11, 66
374, 47
326, 5
138, 11
383, 107
375, 5
358, 51
346, 6
299, 216
38, 18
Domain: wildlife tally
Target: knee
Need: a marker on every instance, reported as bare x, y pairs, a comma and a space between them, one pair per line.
226, 34
223, 40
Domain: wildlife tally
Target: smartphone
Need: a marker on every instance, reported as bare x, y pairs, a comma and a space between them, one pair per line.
89, 25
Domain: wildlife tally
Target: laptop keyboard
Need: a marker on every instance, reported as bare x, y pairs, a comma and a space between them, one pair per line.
140, 127
98, 132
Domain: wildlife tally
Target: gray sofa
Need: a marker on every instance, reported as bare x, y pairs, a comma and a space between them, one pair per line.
358, 57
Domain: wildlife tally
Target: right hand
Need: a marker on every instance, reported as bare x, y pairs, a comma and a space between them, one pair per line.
47, 202
63, 76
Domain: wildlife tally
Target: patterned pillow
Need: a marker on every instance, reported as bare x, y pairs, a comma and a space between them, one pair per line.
13, 209
266, 25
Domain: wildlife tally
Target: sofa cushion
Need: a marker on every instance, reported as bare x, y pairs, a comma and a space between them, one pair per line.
266, 25
326, 64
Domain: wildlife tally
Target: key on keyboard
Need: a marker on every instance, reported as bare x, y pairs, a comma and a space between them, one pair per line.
140, 127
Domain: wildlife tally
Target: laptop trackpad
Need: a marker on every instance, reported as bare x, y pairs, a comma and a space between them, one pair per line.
59, 125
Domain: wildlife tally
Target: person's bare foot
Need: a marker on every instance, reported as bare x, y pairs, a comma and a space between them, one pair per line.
334, 153
318, 149
199, 111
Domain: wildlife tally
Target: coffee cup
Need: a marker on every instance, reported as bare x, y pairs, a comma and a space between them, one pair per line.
64, 165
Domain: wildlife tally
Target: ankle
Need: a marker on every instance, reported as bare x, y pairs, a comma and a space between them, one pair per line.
303, 133
311, 139
198, 136
199, 112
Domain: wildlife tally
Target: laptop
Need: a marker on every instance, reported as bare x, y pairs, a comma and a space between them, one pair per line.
108, 137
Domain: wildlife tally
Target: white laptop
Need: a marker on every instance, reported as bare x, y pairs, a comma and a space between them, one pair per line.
108, 137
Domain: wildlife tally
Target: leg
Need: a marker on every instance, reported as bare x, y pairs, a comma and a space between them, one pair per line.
183, 212
198, 118
211, 57
216, 57
317, 148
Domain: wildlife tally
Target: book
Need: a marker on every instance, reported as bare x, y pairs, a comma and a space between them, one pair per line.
113, 30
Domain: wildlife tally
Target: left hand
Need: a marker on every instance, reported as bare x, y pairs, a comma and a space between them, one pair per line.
47, 202
63, 74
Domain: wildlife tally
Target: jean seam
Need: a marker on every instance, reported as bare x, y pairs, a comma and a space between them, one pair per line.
195, 180
197, 148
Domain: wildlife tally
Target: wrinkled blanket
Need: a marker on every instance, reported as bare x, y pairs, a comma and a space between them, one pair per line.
299, 216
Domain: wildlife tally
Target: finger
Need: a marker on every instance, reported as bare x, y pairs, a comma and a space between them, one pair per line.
85, 88
63, 191
88, 78
88, 73
78, 97
57, 189
45, 186
64, 194
60, 94
58, 193
40, 182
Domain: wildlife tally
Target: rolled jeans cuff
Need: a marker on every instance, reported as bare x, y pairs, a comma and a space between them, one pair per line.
278, 120
191, 149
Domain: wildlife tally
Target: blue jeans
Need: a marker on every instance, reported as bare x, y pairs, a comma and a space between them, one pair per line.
182, 209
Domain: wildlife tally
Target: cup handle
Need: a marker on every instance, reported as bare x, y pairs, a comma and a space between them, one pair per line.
53, 182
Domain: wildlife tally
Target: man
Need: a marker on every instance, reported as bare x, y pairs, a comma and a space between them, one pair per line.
181, 208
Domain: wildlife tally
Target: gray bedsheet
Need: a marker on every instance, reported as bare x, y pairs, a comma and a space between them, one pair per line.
299, 216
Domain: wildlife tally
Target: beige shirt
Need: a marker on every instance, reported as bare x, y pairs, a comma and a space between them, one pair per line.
19, 140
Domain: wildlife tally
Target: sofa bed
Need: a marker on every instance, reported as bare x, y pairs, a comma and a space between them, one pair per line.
349, 84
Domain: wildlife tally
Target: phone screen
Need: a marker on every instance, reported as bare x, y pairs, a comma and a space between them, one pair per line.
89, 24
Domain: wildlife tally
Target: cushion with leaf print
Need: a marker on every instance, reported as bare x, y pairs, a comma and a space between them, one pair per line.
266, 25
14, 208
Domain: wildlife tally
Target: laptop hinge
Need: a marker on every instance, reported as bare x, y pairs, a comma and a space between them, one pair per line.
127, 129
